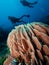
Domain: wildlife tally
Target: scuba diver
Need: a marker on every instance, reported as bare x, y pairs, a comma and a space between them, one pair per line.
14, 19
28, 4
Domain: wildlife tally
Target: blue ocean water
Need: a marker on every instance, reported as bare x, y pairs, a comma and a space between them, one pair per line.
16, 9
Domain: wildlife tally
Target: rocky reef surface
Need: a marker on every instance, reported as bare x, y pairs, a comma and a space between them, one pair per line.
29, 43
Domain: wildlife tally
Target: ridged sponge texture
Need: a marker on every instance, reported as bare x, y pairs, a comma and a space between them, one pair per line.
31, 43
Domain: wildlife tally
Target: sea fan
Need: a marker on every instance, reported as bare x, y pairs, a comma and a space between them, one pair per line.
30, 43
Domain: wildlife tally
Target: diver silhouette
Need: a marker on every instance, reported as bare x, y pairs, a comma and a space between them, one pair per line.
14, 19
28, 4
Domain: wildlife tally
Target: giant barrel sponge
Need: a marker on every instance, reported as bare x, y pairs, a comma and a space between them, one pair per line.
30, 43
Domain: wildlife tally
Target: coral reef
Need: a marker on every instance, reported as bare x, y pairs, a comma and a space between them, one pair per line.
30, 43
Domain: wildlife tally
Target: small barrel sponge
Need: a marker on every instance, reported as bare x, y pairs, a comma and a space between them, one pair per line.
31, 43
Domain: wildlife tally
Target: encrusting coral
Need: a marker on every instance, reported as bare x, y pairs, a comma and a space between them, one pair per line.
30, 43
